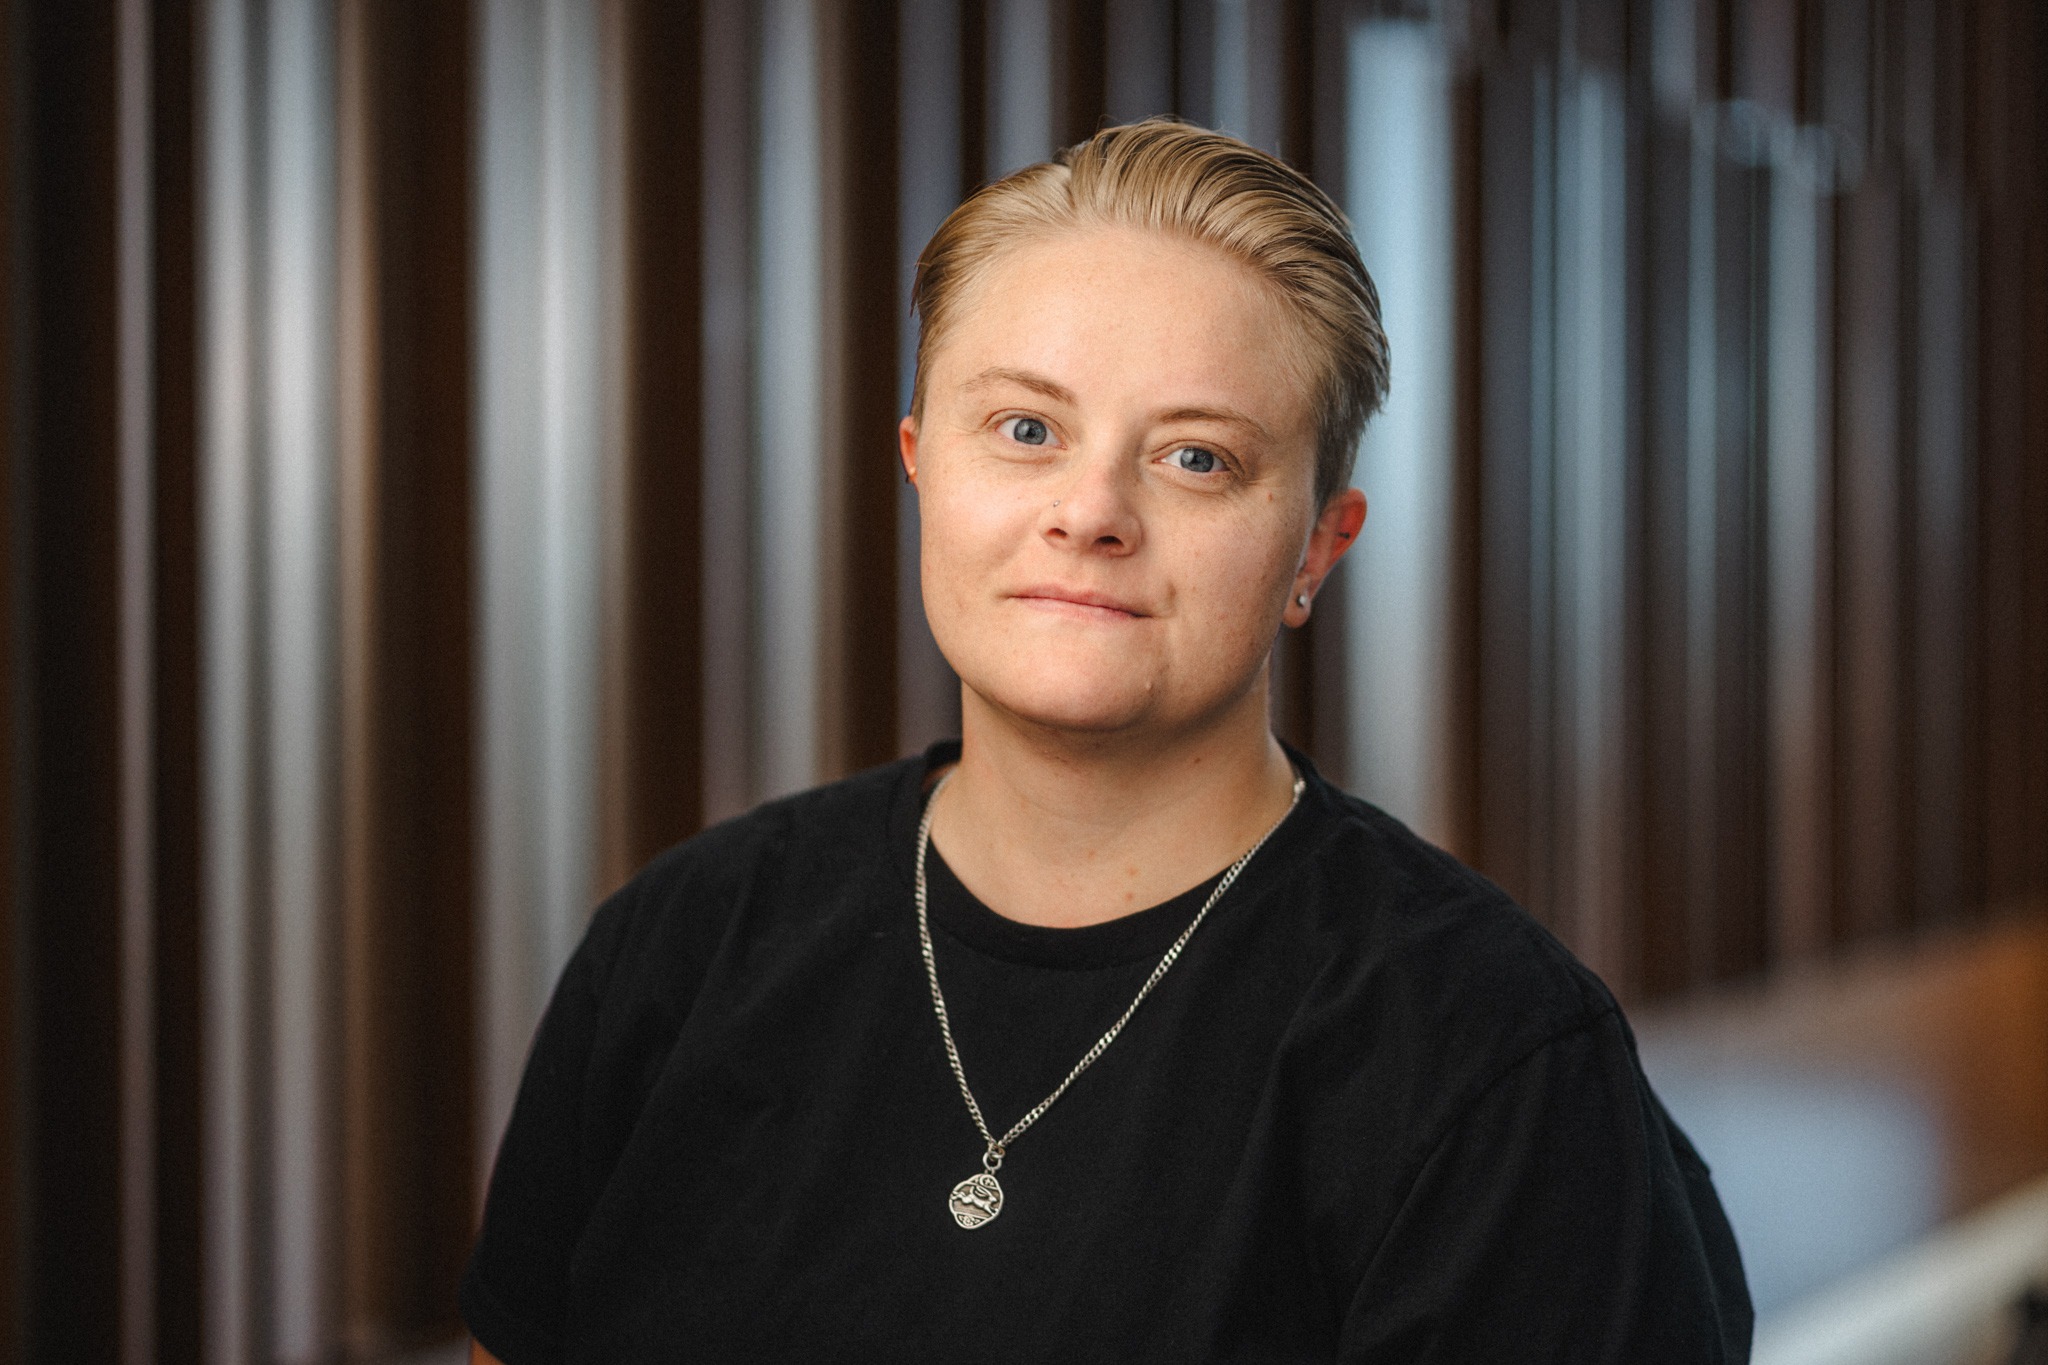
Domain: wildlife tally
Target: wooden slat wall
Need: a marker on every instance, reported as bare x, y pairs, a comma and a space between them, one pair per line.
1897, 822
1825, 719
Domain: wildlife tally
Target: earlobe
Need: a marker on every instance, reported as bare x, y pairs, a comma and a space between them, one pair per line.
1336, 531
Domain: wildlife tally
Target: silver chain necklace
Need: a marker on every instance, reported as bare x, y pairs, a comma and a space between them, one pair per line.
979, 1198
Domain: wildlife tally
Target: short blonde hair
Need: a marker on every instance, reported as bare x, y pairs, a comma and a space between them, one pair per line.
1208, 187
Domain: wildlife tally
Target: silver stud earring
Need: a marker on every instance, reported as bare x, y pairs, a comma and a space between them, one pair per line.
1301, 599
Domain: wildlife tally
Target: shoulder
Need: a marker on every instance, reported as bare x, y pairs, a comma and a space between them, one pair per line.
783, 857
1434, 940
811, 833
1430, 984
1438, 1011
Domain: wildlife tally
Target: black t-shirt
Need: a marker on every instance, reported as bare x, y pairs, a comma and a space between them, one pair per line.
1374, 1113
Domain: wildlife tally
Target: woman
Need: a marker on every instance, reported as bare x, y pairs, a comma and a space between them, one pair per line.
1112, 1032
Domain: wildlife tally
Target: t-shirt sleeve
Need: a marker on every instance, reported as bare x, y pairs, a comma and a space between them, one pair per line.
1561, 1217
541, 1191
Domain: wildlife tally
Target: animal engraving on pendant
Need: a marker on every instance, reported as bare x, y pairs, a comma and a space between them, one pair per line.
975, 1200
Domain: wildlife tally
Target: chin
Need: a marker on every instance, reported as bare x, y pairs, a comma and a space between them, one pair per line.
1070, 701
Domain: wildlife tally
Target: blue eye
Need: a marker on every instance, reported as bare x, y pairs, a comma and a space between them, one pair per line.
1028, 431
1194, 459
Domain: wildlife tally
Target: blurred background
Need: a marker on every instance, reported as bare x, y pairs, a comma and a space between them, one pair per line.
449, 455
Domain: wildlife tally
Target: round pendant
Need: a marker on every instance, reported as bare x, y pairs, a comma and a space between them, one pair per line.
975, 1200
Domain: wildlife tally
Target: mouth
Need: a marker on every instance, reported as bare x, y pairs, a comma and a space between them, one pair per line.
1077, 602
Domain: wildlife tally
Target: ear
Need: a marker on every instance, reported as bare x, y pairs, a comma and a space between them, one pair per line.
906, 446
1336, 531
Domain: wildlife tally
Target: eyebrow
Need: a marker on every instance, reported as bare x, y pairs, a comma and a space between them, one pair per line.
1060, 393
1037, 383
1228, 416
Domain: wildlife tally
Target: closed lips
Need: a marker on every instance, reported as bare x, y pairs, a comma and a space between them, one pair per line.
1066, 597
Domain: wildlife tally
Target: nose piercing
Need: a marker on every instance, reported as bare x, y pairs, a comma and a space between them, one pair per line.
1055, 502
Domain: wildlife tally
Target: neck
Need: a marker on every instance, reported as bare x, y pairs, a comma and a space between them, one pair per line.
1062, 830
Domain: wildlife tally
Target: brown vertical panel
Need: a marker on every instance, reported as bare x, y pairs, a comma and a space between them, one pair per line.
1766, 66
1911, 65
363, 1102
1194, 96
929, 180
1713, 52
1636, 935
663, 744
1466, 772
1841, 74
1301, 668
1811, 69
1137, 47
67, 762
1943, 547
2013, 327
1632, 933
2035, 493
1600, 32
1869, 648
1951, 76
1801, 816
1736, 929
1298, 68
1307, 663
974, 144
2033, 496
1087, 76
1319, 721
1666, 960
1532, 30
729, 42
1294, 680
175, 725
13, 1129
1507, 642
2001, 394
424, 693
1266, 31
405, 152
863, 153
1308, 697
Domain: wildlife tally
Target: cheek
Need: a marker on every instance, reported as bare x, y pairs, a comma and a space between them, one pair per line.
1241, 581
965, 530
1257, 560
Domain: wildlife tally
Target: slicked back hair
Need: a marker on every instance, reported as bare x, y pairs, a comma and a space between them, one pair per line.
1201, 186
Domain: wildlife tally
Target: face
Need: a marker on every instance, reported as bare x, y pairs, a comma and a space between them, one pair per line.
1115, 466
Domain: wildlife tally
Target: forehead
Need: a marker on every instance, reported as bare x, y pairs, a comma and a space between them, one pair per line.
1124, 312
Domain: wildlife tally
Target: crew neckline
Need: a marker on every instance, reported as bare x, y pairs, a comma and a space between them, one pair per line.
1109, 943
962, 916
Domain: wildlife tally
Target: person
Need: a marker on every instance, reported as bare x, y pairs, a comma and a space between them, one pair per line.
1111, 1031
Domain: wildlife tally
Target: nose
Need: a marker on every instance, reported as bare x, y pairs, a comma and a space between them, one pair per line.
1095, 509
